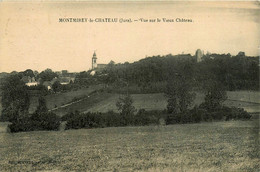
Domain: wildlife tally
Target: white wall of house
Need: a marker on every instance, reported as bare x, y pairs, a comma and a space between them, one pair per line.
32, 84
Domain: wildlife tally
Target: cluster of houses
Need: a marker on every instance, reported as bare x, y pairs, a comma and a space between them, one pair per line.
63, 77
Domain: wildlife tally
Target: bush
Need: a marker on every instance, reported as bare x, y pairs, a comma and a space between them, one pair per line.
70, 115
45, 121
21, 125
111, 119
241, 114
186, 118
173, 118
38, 121
223, 113
88, 120
147, 117
93, 120
198, 114
78, 120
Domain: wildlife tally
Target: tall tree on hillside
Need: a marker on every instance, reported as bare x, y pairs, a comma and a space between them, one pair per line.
15, 99
41, 110
126, 108
42, 107
179, 93
215, 95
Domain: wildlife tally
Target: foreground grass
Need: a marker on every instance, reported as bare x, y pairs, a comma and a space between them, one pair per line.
217, 146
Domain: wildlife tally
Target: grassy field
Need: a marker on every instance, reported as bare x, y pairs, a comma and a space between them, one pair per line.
245, 99
217, 146
103, 102
85, 104
59, 99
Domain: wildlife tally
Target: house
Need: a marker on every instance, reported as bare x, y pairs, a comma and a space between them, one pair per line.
30, 81
31, 84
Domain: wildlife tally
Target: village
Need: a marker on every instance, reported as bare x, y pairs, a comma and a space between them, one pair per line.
149, 86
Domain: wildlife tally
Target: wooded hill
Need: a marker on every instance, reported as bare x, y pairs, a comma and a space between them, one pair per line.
152, 73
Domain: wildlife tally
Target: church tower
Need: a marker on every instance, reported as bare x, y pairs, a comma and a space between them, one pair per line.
94, 61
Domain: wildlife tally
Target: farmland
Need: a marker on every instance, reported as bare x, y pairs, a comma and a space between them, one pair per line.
103, 102
217, 146
243, 99
59, 99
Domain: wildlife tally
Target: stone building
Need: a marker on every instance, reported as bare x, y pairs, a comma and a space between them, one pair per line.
199, 54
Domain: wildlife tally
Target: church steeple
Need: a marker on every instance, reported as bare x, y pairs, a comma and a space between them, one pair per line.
94, 61
94, 55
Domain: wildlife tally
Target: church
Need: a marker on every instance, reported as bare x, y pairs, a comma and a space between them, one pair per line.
96, 66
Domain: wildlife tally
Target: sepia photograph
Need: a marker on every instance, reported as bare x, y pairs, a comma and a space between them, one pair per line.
129, 86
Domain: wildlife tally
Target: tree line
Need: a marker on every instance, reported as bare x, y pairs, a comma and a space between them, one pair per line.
151, 74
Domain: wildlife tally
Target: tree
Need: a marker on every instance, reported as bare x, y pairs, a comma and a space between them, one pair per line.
241, 53
111, 63
36, 73
15, 99
47, 75
126, 108
42, 119
42, 107
28, 72
171, 94
215, 95
56, 86
179, 93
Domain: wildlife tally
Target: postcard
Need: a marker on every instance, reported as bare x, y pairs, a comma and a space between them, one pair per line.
129, 85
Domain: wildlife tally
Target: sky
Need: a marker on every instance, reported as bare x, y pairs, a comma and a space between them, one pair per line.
31, 36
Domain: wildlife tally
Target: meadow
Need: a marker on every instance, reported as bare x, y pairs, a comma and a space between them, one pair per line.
243, 99
103, 101
212, 146
59, 99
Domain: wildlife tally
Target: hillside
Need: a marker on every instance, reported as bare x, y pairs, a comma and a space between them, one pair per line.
150, 74
103, 102
59, 99
243, 99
